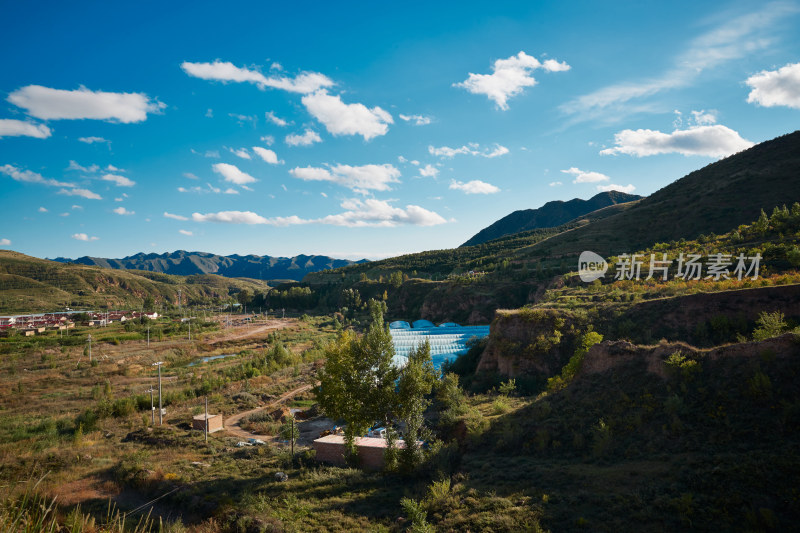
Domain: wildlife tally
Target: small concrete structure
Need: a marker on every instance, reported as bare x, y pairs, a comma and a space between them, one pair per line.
330, 449
214, 423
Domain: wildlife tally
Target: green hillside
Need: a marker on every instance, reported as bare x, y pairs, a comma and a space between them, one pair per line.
29, 284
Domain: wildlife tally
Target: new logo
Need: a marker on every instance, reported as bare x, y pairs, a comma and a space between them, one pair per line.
591, 266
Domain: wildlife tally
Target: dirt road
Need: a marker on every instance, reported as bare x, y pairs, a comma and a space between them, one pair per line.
232, 424
242, 332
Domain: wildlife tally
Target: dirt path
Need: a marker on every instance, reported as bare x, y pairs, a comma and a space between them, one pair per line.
242, 332
232, 424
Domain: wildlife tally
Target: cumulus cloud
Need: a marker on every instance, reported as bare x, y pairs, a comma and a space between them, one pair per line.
232, 174
93, 140
10, 127
174, 217
306, 139
509, 77
269, 140
83, 193
241, 152
120, 181
275, 119
185, 232
5, 242
360, 178
208, 189
772, 88
83, 237
28, 176
474, 187
303, 83
122, 211
710, 141
555, 183
347, 119
190, 175
230, 217
621, 188
583, 176
418, 120
267, 155
429, 171
470, 149
379, 213
48, 104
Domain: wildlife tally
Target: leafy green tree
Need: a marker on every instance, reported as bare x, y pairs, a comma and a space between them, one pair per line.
149, 303
244, 297
769, 325
416, 382
357, 384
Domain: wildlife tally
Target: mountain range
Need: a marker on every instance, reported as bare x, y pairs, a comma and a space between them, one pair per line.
550, 215
185, 263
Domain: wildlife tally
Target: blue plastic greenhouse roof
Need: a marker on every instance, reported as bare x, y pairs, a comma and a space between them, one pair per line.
399, 324
447, 342
422, 324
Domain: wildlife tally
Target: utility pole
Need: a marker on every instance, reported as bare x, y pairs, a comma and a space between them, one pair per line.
89, 340
148, 336
160, 411
190, 329
151, 390
292, 435
205, 427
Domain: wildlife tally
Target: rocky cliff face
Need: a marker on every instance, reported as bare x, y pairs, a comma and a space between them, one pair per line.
529, 342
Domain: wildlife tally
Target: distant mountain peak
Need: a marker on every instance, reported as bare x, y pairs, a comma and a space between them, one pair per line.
551, 214
184, 263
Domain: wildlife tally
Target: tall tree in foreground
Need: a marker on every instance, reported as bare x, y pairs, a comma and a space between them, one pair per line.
416, 382
357, 383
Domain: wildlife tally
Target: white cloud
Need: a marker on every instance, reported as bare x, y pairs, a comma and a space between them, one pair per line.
414, 162
736, 38
83, 237
174, 217
710, 141
583, 176
474, 187
361, 178
772, 88
234, 191
704, 118
241, 152
121, 181
267, 155
378, 213
185, 232
232, 174
46, 103
509, 78
324, 195
471, 149
210, 113
79, 207
242, 119
43, 210
190, 176
306, 139
64, 215
621, 188
401, 159
122, 211
5, 242
20, 128
429, 171
269, 140
230, 217
303, 83
92, 140
347, 119
419, 120
83, 193
275, 119
28, 176
91, 169
555, 183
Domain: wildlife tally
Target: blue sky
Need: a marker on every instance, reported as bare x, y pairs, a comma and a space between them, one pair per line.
365, 131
